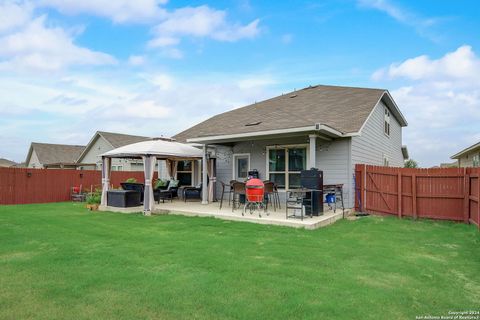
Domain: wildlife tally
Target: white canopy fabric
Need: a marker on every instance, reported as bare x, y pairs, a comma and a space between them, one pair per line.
150, 151
161, 149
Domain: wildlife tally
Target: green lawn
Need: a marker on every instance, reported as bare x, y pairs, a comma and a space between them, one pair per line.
59, 261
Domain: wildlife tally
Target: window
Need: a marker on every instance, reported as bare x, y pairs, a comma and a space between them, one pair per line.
117, 168
386, 126
385, 161
476, 160
241, 165
285, 165
185, 172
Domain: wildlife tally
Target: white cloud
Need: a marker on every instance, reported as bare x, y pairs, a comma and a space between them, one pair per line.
404, 16
36, 46
162, 41
461, 64
13, 15
135, 60
119, 11
72, 109
200, 22
441, 101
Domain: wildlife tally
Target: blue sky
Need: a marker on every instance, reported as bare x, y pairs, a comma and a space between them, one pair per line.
69, 68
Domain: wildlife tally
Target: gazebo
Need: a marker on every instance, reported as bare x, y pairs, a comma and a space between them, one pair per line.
150, 152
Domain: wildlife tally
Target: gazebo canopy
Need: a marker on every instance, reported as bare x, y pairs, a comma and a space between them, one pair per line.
150, 151
159, 148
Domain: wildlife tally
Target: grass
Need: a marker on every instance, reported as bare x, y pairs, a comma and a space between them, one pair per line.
59, 261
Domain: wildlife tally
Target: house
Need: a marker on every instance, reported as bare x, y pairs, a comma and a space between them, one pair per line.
47, 155
468, 157
328, 127
5, 163
102, 142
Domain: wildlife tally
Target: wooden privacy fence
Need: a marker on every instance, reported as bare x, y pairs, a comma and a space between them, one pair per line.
22, 186
443, 193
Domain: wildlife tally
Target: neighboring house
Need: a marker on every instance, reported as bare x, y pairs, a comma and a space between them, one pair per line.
103, 142
47, 155
328, 127
449, 165
5, 163
468, 157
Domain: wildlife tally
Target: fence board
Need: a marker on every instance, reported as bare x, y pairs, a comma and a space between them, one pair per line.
23, 185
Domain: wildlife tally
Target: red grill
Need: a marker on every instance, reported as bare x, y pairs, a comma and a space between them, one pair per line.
254, 190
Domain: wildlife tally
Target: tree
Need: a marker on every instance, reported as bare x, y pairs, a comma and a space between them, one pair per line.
410, 163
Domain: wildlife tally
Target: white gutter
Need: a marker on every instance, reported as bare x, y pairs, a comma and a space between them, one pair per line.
318, 128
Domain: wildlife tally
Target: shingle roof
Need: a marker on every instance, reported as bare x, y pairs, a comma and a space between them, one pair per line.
6, 163
48, 153
466, 150
342, 108
119, 140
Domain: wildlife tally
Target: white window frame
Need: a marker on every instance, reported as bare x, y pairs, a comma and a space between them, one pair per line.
286, 147
234, 163
192, 172
386, 122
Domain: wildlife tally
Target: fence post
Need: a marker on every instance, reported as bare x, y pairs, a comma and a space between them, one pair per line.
414, 195
478, 199
399, 195
363, 194
466, 192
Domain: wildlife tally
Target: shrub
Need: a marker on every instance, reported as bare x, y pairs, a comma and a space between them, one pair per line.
131, 180
94, 197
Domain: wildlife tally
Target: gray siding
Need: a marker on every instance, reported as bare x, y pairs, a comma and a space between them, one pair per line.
372, 144
224, 166
333, 158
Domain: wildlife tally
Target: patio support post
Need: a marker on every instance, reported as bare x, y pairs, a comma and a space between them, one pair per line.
204, 176
313, 148
149, 168
105, 179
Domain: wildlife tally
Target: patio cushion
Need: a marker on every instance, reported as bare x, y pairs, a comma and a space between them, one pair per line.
174, 183
160, 183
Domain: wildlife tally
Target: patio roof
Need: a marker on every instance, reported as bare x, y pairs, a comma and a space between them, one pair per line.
160, 148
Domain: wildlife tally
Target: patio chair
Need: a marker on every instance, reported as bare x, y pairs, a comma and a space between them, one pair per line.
270, 194
192, 192
238, 189
226, 189
76, 194
166, 194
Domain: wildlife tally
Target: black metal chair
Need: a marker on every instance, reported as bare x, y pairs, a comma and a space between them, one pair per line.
270, 197
225, 189
238, 189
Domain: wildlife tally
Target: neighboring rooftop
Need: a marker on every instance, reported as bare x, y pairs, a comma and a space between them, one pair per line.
116, 140
49, 153
466, 150
119, 139
7, 163
344, 109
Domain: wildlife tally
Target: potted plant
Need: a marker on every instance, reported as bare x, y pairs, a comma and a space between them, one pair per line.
93, 200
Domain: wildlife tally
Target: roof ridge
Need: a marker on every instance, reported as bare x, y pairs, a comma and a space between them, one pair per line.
58, 144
